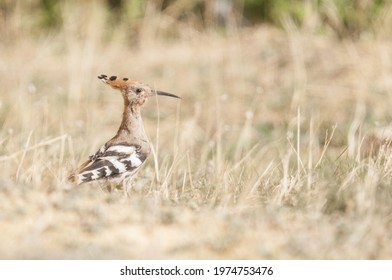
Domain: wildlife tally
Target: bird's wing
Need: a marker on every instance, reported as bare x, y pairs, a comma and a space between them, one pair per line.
110, 162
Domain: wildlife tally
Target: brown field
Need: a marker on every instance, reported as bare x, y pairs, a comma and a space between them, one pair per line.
260, 159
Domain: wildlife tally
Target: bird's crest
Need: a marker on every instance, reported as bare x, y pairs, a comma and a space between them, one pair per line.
116, 82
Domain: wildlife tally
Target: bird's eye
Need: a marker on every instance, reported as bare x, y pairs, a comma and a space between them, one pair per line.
139, 90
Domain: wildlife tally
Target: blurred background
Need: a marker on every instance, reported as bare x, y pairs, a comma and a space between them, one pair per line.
262, 157
346, 18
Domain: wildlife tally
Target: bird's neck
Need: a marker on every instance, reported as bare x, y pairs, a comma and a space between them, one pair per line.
132, 123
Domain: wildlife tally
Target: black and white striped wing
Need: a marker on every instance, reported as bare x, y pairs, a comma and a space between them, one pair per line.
114, 162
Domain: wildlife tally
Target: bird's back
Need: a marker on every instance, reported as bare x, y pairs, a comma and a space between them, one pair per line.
112, 162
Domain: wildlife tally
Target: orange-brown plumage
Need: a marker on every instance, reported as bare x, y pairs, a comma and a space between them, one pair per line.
117, 82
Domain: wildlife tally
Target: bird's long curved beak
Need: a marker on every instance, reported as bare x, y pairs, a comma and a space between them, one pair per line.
157, 92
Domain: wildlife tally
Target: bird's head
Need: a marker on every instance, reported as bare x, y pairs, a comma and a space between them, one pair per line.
134, 92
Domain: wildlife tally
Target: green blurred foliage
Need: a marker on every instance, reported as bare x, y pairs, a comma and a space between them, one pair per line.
343, 17
347, 18
272, 11
50, 13
356, 16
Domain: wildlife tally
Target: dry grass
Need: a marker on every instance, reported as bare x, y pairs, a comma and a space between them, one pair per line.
260, 159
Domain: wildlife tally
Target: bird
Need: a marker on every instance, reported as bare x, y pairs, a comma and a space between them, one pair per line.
120, 158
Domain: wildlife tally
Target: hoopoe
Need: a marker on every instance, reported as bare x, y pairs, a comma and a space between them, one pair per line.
122, 156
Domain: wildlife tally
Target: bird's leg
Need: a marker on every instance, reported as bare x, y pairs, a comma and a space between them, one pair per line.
109, 187
127, 186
